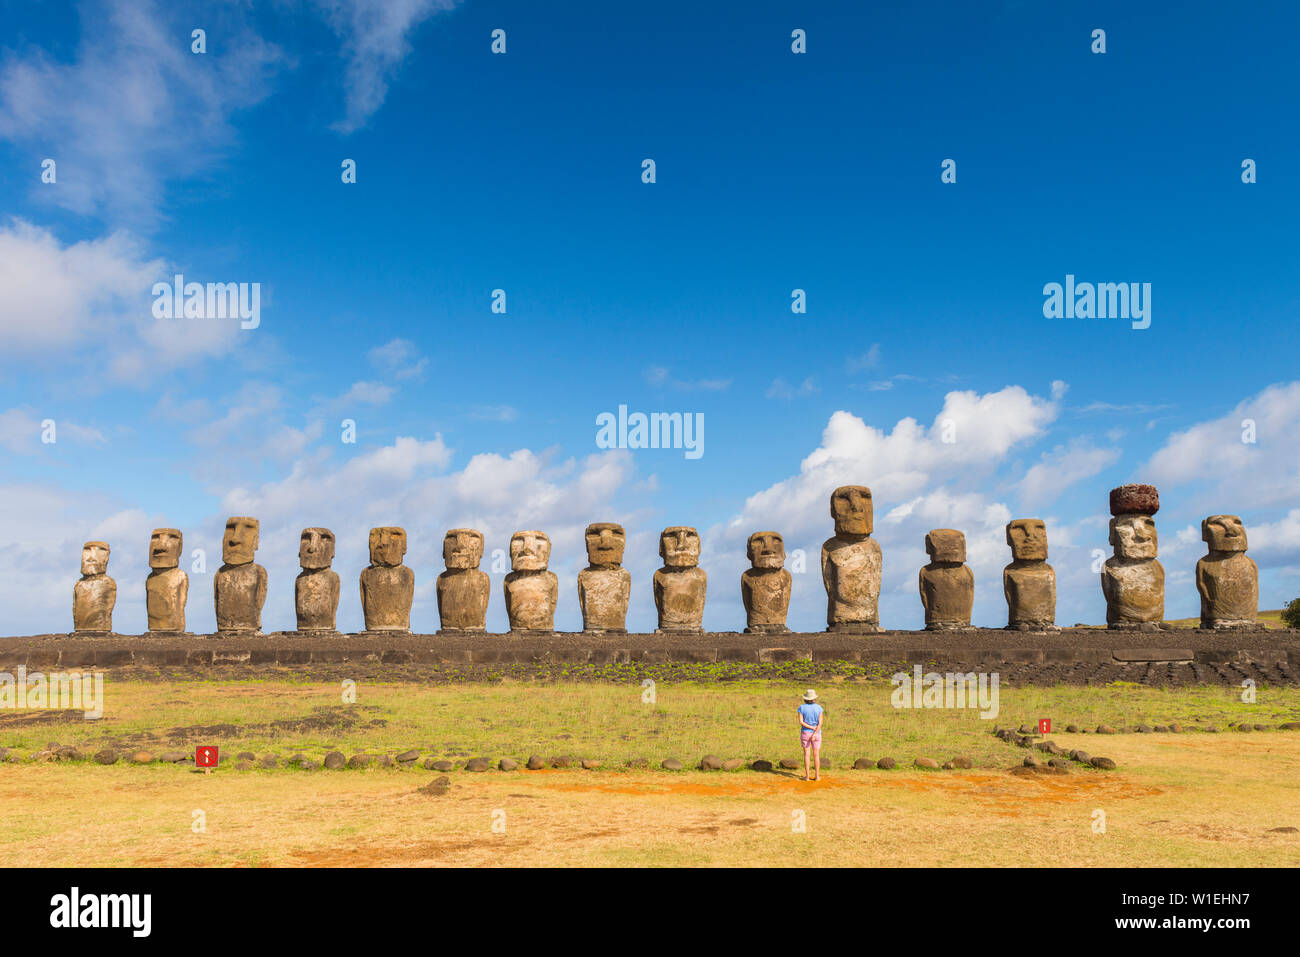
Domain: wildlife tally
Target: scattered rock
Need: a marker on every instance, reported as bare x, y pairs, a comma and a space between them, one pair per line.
438, 786
1058, 762
947, 766
1105, 764
733, 764
335, 760
930, 763
671, 764
1289, 726
409, 757
789, 764
534, 763
107, 756
478, 764
863, 764
1283, 830
385, 761
1175, 728
1212, 728
508, 764
638, 763
1144, 729
761, 765
173, 757
1032, 762
243, 765
359, 761
589, 764
307, 764
246, 756
710, 762
1072, 729
963, 761
1260, 727
886, 764
1083, 757
1105, 729
141, 757
1162, 729
269, 762
561, 761
1244, 727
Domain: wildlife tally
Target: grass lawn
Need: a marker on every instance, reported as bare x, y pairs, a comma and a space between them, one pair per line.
1194, 798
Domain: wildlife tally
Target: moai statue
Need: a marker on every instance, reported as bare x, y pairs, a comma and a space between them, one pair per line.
167, 586
1029, 582
531, 590
604, 586
387, 586
316, 589
681, 585
1227, 578
1133, 581
239, 586
94, 596
947, 583
851, 564
765, 586
463, 589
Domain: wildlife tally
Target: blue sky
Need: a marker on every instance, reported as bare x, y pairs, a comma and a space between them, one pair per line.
775, 171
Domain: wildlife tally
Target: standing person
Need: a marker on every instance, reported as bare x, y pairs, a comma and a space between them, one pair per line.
811, 719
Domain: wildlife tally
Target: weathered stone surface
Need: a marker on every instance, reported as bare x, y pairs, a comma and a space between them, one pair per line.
478, 764
886, 764
443, 765
604, 586
167, 587
335, 760
316, 589
733, 764
246, 756
851, 564
244, 765
638, 763
1029, 583
761, 764
1134, 500
710, 762
1106, 729
107, 756
962, 761
562, 761
437, 787
947, 584
790, 764
270, 762
173, 757
671, 764
1226, 577
535, 763
1031, 761
359, 761
1105, 764
863, 764
1132, 580
508, 764
239, 586
95, 594
531, 591
387, 586
929, 763
141, 757
1083, 757
463, 589
1058, 763
765, 586
680, 586
590, 764
408, 757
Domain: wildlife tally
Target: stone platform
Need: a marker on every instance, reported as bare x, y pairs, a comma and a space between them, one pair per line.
1215, 656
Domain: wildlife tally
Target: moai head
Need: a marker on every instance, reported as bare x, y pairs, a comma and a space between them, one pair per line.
605, 542
240, 541
462, 548
945, 545
679, 546
387, 545
165, 548
1133, 536
851, 509
94, 558
530, 551
1028, 539
1224, 533
316, 548
766, 550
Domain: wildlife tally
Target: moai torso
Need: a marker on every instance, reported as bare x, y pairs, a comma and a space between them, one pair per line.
1029, 583
387, 586
167, 587
1227, 578
239, 586
852, 564
681, 586
462, 589
947, 583
316, 589
531, 591
93, 598
765, 585
604, 586
1132, 580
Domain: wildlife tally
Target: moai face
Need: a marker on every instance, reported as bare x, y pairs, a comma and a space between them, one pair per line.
1133, 536
165, 548
851, 508
462, 548
605, 543
1224, 533
766, 550
945, 545
387, 546
94, 558
679, 546
529, 551
316, 548
240, 541
1028, 539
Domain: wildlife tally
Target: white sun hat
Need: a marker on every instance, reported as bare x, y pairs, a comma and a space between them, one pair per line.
810, 695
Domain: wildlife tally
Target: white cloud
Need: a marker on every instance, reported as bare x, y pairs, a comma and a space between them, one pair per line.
398, 358
780, 389
1062, 467
659, 376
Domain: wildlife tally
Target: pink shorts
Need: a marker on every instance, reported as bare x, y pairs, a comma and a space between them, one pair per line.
809, 738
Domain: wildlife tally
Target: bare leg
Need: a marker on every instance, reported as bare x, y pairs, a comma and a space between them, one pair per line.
805, 765
816, 760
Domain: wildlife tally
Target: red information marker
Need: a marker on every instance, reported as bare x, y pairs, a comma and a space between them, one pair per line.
205, 758
1044, 725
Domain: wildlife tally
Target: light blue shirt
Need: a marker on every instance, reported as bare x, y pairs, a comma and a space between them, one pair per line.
811, 714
